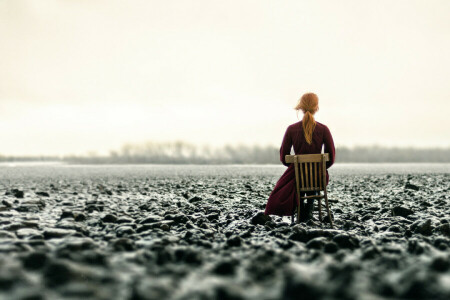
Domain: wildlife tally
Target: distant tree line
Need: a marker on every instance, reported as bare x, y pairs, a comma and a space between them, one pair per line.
185, 153
383, 154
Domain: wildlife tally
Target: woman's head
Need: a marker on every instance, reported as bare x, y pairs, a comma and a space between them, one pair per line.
309, 104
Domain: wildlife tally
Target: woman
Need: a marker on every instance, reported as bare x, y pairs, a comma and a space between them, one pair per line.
307, 137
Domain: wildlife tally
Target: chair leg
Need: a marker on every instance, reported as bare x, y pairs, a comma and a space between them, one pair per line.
320, 209
328, 210
298, 212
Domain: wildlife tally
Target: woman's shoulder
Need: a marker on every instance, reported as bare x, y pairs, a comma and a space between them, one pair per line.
322, 127
294, 126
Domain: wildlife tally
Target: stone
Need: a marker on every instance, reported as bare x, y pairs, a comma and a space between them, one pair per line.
317, 243
28, 233
415, 247
195, 199
7, 203
410, 186
346, 241
66, 214
109, 218
395, 228
401, 211
79, 216
34, 260
79, 244
440, 264
444, 229
6, 235
151, 219
422, 227
330, 247
123, 244
370, 253
225, 267
17, 193
43, 194
188, 256
260, 219
234, 241
124, 230
157, 288
27, 208
51, 233
299, 235
124, 219
299, 284
58, 273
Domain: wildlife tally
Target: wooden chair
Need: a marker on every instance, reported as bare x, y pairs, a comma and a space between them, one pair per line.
312, 178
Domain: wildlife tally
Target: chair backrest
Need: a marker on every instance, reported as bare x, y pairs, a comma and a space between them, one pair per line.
310, 170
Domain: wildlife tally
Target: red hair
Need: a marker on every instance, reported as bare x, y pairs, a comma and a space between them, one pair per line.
309, 104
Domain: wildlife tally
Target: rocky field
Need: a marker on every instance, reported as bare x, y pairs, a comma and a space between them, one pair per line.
99, 234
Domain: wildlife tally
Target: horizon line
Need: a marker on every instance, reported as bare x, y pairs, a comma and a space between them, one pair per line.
94, 153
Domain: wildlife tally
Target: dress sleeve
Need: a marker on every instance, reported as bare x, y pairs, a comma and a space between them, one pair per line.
286, 146
329, 147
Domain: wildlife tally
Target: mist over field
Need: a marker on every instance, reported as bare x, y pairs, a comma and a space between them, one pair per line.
180, 152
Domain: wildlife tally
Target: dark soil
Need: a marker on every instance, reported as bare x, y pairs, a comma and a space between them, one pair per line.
203, 236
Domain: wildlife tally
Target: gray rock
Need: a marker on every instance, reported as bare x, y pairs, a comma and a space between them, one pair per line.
7, 203
58, 273
34, 260
123, 244
410, 186
225, 267
195, 199
151, 219
28, 233
346, 241
124, 219
401, 211
260, 219
51, 233
330, 247
234, 241
17, 193
43, 194
124, 230
109, 218
317, 243
422, 227
299, 283
440, 264
299, 234
444, 229
158, 288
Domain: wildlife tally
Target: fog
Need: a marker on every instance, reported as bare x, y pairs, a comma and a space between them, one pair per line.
180, 152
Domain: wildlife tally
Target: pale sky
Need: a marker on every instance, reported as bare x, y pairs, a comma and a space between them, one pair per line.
91, 75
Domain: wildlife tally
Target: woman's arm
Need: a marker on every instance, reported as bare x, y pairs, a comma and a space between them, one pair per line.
286, 146
329, 147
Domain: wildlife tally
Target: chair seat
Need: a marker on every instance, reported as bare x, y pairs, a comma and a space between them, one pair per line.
313, 197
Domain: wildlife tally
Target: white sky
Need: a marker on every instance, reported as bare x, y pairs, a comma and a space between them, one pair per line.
85, 75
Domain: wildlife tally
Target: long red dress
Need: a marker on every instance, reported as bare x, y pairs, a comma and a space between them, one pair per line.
282, 200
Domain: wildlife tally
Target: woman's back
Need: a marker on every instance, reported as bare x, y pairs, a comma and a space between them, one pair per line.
295, 137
